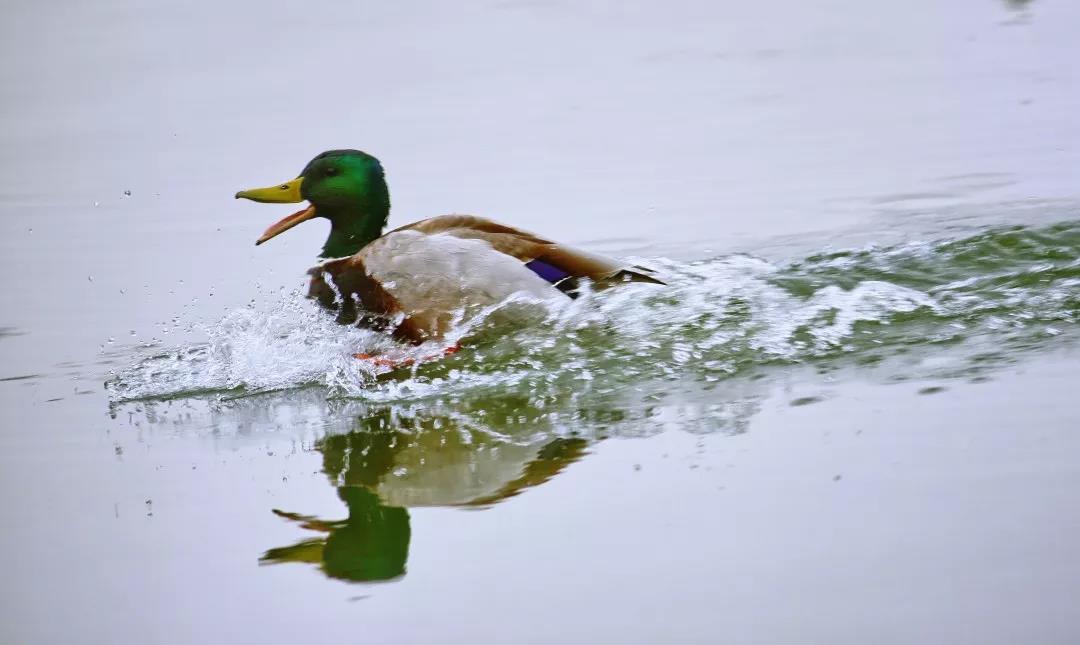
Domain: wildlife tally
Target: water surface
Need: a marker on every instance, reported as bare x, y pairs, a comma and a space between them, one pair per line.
849, 417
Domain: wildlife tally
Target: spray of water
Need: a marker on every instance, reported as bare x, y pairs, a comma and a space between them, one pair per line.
995, 293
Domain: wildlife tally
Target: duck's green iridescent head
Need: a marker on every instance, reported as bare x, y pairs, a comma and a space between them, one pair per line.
345, 186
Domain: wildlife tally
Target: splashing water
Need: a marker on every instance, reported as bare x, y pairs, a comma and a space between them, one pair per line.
986, 296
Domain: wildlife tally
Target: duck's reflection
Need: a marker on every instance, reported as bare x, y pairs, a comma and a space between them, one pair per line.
393, 461
463, 451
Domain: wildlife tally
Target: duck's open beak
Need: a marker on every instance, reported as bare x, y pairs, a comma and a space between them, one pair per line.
287, 193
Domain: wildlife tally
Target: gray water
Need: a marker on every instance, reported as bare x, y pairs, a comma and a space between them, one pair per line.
848, 418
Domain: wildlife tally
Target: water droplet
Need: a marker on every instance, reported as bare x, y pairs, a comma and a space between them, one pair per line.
127, 193
96, 204
90, 278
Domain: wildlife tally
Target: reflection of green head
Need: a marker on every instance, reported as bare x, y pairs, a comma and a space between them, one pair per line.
373, 544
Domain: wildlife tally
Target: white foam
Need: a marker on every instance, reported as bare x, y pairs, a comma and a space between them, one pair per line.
714, 319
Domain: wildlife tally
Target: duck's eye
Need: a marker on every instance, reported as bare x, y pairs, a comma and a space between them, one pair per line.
330, 172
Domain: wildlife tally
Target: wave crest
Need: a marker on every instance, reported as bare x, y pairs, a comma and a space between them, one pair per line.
1009, 288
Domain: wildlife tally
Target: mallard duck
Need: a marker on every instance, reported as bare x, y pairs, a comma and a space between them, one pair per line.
416, 279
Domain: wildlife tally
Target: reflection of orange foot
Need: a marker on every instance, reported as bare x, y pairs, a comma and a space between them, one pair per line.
394, 363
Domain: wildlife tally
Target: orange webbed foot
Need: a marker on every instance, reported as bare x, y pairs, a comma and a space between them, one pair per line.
394, 363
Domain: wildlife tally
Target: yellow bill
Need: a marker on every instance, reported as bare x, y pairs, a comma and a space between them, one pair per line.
287, 193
